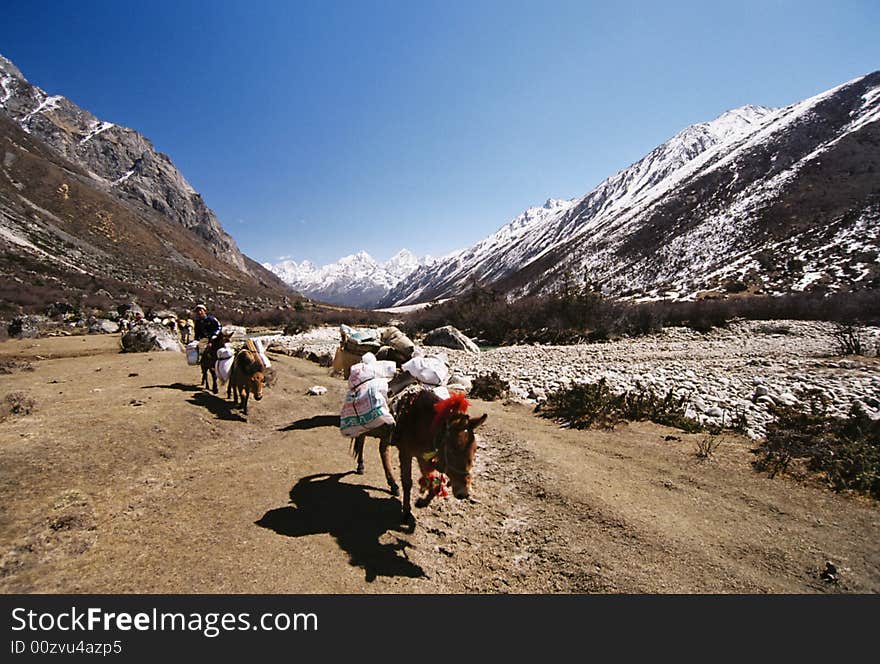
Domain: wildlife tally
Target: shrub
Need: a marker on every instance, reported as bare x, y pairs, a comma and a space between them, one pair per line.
849, 338
707, 445
489, 387
585, 405
16, 403
845, 450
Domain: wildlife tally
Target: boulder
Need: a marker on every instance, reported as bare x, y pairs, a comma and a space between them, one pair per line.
102, 326
28, 327
150, 336
449, 337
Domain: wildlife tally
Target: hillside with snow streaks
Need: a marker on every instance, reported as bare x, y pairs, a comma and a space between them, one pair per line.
758, 198
117, 158
357, 280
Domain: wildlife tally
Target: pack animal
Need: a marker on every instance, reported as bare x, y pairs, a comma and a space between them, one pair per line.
209, 359
396, 385
439, 434
245, 377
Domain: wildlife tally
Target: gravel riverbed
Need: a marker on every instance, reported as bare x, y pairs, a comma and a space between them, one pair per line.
743, 368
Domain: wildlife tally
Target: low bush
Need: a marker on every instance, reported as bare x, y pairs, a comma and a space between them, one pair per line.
489, 387
850, 338
16, 403
585, 405
846, 451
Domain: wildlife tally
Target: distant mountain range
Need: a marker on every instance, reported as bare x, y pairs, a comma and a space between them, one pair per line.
88, 209
358, 280
758, 200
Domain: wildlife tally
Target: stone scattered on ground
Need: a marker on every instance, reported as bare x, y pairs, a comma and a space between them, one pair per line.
742, 369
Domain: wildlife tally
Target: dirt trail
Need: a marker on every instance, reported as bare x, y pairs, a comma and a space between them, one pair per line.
128, 478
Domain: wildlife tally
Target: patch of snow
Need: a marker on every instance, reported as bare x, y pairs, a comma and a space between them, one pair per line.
96, 128
405, 309
7, 89
48, 104
122, 179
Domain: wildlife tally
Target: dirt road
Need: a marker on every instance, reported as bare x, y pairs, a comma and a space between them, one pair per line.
126, 477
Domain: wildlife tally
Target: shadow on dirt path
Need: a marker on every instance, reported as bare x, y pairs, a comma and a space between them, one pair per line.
324, 504
313, 423
219, 406
183, 387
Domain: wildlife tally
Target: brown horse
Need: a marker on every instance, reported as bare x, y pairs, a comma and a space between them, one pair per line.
245, 376
440, 435
396, 385
209, 359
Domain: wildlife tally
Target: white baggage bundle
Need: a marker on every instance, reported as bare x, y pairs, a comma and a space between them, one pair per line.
431, 370
225, 358
366, 403
192, 353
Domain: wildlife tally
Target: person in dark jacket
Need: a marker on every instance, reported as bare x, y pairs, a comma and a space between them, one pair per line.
207, 327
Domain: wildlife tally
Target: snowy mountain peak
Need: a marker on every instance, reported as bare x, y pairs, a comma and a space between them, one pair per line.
354, 280
714, 204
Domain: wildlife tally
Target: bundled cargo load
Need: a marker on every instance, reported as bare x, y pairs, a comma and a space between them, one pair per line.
225, 358
430, 370
396, 346
359, 341
366, 403
192, 353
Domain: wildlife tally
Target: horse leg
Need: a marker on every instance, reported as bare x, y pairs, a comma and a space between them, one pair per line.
245, 393
424, 501
384, 443
214, 377
406, 480
359, 453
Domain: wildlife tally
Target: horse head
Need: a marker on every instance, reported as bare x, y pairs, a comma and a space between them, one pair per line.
459, 446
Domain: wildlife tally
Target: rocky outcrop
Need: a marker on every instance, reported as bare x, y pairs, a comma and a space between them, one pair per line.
150, 336
28, 327
120, 159
102, 326
450, 337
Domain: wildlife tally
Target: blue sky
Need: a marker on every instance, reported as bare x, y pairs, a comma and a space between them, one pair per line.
317, 129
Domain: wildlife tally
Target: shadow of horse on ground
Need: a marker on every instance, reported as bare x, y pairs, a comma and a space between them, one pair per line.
183, 387
313, 423
220, 407
324, 504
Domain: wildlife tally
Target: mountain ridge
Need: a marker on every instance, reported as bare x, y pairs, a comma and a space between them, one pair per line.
609, 235
354, 280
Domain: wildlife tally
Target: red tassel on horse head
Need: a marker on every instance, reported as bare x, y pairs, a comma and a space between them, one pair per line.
457, 403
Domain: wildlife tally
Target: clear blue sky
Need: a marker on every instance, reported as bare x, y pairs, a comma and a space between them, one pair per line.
317, 129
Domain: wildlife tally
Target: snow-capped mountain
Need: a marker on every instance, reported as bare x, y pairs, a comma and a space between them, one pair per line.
766, 199
357, 280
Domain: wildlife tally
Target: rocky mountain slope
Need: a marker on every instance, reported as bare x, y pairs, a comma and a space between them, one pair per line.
358, 280
89, 207
759, 199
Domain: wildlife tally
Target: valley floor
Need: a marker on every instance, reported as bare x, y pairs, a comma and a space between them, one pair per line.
127, 477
